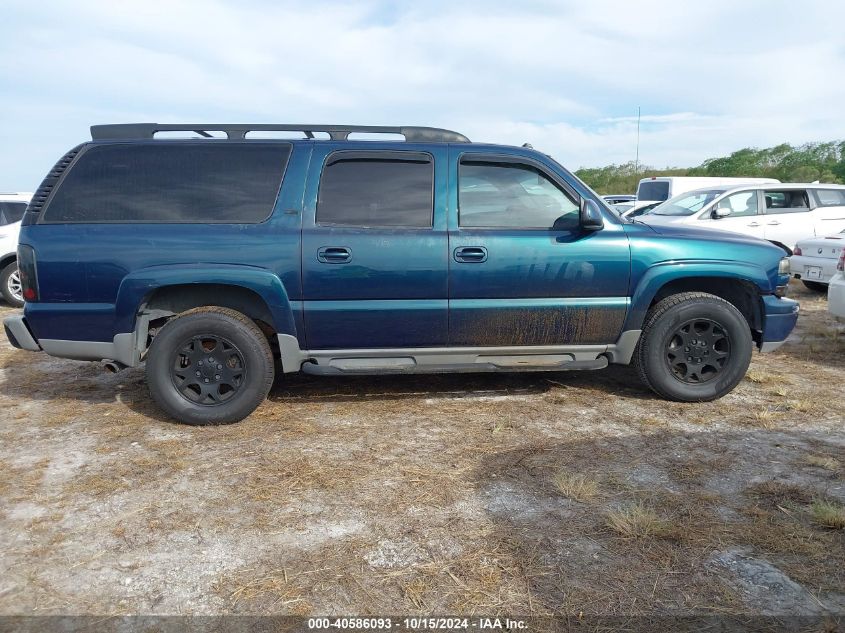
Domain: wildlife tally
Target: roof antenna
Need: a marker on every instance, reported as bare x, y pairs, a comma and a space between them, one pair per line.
528, 146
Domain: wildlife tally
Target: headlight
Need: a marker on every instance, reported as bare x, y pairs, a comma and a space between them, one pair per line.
783, 267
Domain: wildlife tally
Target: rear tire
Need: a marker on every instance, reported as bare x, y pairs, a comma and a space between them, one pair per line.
10, 285
209, 365
694, 347
815, 286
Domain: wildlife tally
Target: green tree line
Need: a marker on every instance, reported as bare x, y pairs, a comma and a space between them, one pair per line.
824, 162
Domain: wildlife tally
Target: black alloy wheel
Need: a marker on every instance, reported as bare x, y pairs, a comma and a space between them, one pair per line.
698, 351
208, 369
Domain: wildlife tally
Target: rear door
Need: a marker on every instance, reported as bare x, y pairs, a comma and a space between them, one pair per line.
521, 272
374, 259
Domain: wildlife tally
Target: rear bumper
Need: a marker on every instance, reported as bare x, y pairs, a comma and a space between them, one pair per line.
18, 333
801, 264
836, 296
779, 319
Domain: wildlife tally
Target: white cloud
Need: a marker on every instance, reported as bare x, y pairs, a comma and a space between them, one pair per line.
567, 77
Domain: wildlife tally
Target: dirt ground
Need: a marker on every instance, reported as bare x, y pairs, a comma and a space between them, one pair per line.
547, 493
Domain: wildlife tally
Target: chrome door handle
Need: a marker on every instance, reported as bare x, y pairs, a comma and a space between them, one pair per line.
774, 223
334, 254
754, 224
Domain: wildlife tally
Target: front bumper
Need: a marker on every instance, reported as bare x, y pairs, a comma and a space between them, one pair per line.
18, 333
779, 318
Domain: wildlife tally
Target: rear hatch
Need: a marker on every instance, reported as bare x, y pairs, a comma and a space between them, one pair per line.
653, 191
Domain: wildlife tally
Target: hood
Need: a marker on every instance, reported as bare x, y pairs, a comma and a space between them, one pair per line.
679, 229
665, 220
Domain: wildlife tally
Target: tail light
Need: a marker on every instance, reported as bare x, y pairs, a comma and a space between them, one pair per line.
26, 268
840, 265
797, 251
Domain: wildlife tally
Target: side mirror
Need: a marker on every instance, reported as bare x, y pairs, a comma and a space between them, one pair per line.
720, 212
591, 217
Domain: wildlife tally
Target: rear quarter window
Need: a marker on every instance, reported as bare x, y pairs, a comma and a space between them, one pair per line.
165, 182
830, 197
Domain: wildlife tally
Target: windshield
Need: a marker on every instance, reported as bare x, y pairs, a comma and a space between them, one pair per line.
657, 190
687, 203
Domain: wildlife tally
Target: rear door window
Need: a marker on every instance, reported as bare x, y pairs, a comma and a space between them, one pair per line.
786, 201
197, 182
377, 189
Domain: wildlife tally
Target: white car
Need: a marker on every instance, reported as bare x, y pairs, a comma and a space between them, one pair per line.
12, 207
661, 188
814, 260
836, 289
634, 209
782, 213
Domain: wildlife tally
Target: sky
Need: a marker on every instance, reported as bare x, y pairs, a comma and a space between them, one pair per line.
566, 77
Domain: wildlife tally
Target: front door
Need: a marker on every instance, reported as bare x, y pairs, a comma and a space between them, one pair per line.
744, 214
374, 259
521, 271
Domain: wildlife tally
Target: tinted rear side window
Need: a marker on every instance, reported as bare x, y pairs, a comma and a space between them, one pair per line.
376, 192
657, 190
184, 182
830, 197
11, 212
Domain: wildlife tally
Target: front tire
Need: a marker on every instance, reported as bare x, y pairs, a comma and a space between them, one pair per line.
10, 285
209, 365
694, 347
815, 286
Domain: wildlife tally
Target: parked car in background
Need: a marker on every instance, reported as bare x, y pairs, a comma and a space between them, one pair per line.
782, 213
661, 188
619, 198
214, 261
634, 209
814, 260
12, 208
836, 289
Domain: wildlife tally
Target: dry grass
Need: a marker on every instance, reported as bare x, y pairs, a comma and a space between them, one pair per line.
829, 514
637, 521
778, 493
822, 461
761, 377
274, 588
575, 486
765, 418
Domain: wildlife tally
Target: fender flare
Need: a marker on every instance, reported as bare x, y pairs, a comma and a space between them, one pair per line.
139, 285
658, 275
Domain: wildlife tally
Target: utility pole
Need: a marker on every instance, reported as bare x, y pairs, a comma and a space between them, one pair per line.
637, 160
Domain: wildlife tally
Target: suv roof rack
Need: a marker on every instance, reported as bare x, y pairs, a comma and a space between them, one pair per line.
412, 134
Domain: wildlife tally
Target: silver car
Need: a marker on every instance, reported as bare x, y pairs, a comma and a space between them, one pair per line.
814, 260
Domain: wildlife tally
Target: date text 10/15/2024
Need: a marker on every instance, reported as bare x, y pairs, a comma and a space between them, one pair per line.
416, 624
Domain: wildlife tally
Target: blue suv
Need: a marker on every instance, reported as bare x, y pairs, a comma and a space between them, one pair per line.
223, 259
